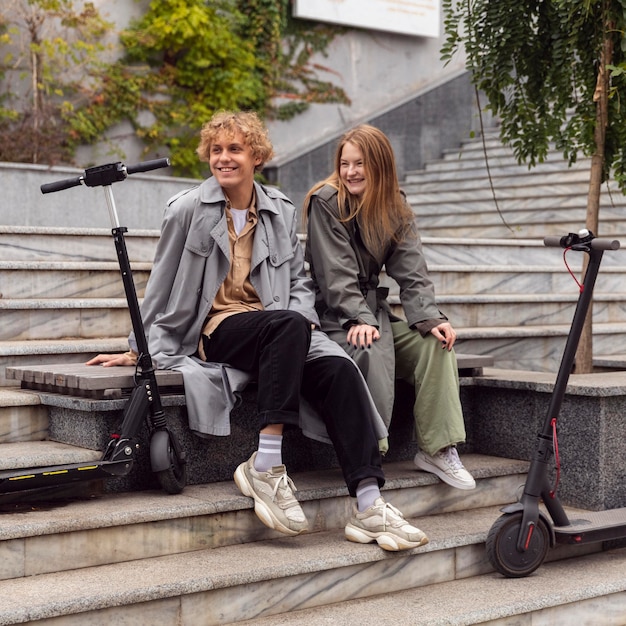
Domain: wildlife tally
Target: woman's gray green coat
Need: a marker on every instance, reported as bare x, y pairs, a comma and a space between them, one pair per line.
346, 278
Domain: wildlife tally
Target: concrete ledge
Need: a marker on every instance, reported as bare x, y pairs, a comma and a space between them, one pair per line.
88, 423
505, 410
86, 404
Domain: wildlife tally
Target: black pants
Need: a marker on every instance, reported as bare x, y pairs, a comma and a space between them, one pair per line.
273, 346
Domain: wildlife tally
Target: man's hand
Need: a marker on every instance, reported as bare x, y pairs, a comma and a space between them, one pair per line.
109, 360
445, 334
362, 335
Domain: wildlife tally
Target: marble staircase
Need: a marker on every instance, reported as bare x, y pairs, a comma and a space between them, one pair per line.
454, 197
517, 296
202, 557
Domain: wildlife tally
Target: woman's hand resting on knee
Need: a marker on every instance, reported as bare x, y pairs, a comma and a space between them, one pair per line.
445, 334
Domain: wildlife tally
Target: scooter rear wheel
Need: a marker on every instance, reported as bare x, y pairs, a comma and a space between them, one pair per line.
502, 546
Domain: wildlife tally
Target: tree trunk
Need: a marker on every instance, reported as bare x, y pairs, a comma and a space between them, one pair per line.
584, 354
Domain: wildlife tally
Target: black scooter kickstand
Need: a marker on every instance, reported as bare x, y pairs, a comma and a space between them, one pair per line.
518, 541
166, 457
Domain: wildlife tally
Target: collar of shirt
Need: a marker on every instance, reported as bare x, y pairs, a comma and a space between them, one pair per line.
239, 217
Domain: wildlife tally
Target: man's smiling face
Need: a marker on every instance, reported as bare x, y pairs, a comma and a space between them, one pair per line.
231, 160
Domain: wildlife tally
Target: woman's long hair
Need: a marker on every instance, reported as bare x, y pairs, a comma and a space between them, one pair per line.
383, 215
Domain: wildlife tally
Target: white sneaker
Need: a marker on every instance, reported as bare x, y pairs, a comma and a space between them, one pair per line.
385, 525
447, 465
274, 501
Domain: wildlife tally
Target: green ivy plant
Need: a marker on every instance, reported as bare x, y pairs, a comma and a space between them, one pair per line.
186, 59
178, 63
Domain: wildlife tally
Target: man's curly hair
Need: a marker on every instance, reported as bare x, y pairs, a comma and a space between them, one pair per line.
247, 123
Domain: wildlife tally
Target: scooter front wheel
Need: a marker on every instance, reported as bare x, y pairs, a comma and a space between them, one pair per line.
171, 471
502, 546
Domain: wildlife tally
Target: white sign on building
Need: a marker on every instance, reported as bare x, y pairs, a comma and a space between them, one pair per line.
408, 17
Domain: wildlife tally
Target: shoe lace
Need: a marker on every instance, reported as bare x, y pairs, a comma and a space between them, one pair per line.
451, 456
286, 485
395, 517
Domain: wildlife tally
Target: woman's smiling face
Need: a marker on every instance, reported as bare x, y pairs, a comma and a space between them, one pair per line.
352, 169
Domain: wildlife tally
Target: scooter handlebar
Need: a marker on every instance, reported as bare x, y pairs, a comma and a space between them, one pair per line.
598, 243
59, 185
104, 175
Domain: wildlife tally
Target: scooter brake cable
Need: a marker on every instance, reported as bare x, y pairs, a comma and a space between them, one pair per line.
569, 269
557, 458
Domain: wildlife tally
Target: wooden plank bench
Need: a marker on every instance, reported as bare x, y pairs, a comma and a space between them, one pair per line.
92, 381
88, 381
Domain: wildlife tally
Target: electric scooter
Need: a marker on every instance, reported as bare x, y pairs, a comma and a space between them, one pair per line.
167, 459
518, 541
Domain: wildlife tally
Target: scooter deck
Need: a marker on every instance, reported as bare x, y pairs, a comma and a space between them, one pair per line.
593, 526
38, 477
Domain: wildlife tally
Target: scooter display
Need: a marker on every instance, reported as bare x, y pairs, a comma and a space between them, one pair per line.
167, 459
519, 540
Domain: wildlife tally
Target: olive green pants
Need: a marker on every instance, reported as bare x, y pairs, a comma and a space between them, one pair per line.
404, 354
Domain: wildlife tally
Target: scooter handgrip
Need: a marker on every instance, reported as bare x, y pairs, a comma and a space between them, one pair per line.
552, 242
59, 185
146, 166
605, 244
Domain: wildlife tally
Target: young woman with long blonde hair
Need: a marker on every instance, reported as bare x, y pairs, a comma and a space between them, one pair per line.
359, 222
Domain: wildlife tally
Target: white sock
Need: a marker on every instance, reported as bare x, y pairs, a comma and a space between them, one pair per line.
367, 492
269, 453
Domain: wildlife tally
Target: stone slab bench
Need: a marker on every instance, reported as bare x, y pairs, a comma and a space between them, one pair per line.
86, 403
609, 362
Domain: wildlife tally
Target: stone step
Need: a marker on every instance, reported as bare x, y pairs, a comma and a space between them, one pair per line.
92, 318
461, 204
501, 160
537, 348
532, 279
489, 310
187, 558
25, 454
518, 210
492, 145
67, 279
511, 252
224, 585
85, 281
475, 149
512, 347
57, 247
586, 590
213, 584
79, 281
79, 245
22, 416
505, 177
52, 319
613, 229
509, 189
215, 514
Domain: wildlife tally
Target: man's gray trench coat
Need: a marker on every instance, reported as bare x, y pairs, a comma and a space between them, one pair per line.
191, 262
